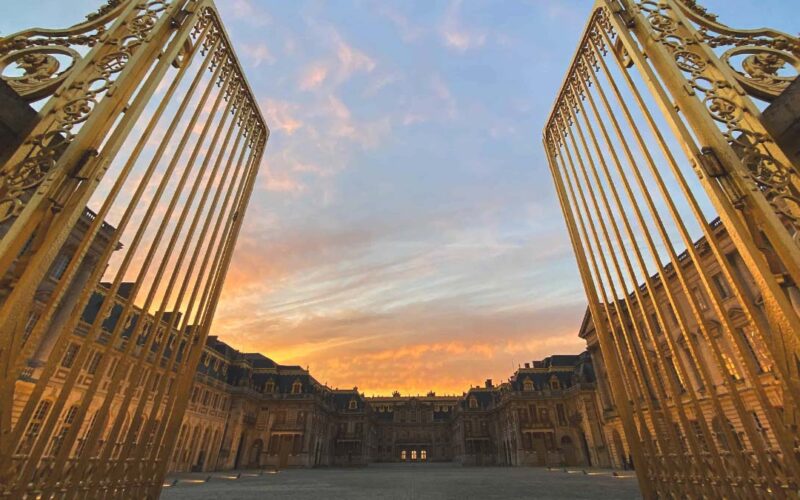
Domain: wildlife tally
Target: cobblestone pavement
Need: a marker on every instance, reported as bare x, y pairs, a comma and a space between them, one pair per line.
404, 481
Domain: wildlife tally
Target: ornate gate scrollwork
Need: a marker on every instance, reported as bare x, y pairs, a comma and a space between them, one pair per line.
654, 133
119, 213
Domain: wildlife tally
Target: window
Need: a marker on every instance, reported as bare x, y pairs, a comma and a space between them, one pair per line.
297, 387
672, 368
562, 414
527, 385
69, 417
413, 454
473, 402
554, 383
353, 405
36, 423
69, 356
269, 387
757, 355
722, 285
403, 455
730, 367
423, 455
544, 415
60, 266
700, 298
91, 367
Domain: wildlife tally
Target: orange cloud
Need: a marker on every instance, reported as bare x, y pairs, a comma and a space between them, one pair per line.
313, 76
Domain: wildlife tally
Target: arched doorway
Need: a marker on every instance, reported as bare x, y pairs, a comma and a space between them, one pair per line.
568, 449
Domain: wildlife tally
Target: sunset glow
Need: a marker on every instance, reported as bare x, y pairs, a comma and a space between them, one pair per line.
404, 233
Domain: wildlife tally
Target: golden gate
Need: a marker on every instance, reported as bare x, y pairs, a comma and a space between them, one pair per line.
119, 212
657, 146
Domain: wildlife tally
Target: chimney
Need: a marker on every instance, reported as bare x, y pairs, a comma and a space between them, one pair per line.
527, 365
489, 383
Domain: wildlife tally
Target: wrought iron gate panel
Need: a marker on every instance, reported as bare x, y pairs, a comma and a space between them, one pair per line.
104, 312
655, 145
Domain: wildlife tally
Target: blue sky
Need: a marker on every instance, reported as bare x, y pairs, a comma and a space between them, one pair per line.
404, 232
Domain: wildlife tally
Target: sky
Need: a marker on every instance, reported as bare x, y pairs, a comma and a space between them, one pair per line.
404, 232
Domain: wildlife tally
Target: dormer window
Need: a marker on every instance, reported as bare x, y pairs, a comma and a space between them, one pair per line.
473, 402
269, 387
527, 385
297, 387
353, 405
554, 383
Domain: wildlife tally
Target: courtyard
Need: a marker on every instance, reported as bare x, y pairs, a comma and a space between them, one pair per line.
405, 481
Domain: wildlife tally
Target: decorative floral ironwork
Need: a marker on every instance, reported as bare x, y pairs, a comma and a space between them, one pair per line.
764, 52
42, 77
759, 76
32, 51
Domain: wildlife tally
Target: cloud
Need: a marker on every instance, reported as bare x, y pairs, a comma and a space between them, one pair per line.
250, 12
339, 67
274, 180
401, 301
255, 54
351, 59
409, 32
313, 76
455, 35
281, 115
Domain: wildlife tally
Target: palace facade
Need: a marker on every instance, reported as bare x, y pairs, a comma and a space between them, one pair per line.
247, 411
710, 386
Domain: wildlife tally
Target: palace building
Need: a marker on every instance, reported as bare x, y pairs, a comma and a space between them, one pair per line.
711, 386
246, 411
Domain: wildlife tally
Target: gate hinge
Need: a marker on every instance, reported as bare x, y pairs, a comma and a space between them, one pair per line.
711, 164
178, 19
78, 171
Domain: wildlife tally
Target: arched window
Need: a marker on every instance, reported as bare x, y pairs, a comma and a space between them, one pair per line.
297, 387
527, 385
473, 402
554, 383
353, 405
